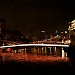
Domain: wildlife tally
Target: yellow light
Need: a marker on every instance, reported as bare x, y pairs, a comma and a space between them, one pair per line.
62, 53
69, 41
73, 21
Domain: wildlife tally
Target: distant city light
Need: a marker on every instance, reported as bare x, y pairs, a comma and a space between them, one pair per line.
42, 31
67, 42
65, 31
57, 35
56, 31
61, 32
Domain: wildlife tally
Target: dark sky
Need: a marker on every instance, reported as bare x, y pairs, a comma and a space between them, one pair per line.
32, 16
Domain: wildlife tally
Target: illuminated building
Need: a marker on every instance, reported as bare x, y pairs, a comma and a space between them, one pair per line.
72, 32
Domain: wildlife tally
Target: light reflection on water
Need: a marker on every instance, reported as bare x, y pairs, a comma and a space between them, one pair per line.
30, 57
34, 54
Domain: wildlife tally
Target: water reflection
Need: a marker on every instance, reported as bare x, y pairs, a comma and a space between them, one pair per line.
33, 54
29, 57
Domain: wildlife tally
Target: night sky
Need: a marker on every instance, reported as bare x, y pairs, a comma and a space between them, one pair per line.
32, 16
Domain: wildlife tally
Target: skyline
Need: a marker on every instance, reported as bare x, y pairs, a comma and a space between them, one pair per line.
31, 17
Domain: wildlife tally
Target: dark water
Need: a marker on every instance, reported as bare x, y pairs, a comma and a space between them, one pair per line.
27, 68
46, 65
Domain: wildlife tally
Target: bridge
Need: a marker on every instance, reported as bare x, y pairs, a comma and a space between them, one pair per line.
41, 45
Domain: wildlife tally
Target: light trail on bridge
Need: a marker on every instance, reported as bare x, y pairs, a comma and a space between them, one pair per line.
42, 45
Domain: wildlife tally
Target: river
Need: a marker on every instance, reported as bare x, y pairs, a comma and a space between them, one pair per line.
34, 61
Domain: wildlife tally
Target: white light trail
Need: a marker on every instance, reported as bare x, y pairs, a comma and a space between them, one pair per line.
45, 45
